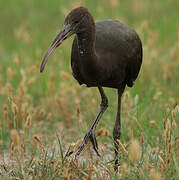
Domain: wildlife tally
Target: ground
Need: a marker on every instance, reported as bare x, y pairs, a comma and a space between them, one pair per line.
43, 117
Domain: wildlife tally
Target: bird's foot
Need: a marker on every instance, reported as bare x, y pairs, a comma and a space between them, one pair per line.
90, 135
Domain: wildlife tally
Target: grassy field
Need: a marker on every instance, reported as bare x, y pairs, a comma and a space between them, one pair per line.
43, 117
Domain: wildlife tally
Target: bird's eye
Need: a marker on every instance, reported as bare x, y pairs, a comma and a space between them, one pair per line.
75, 22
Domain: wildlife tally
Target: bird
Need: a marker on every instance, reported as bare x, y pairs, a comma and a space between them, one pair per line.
106, 53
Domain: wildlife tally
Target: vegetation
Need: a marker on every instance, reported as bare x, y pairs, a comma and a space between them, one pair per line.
43, 117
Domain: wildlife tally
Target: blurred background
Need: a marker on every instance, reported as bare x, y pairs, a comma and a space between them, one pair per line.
35, 103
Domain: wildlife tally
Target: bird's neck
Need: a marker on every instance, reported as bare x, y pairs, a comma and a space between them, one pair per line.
86, 44
87, 37
88, 60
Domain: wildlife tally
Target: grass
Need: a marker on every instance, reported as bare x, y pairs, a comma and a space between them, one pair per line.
43, 117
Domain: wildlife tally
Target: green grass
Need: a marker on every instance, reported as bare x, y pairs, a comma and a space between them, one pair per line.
61, 111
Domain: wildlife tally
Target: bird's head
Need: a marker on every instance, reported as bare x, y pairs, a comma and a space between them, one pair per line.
74, 23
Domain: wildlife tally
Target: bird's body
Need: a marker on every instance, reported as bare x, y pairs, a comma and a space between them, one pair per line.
119, 56
104, 54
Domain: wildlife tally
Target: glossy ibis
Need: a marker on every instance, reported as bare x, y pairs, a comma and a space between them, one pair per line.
104, 54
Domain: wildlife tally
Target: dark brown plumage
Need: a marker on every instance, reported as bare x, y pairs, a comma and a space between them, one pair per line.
104, 54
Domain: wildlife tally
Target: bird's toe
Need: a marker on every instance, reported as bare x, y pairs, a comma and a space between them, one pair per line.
94, 142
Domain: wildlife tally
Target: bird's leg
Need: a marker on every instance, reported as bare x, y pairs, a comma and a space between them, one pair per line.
117, 127
90, 135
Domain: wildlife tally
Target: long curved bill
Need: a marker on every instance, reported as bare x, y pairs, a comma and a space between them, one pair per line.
66, 32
